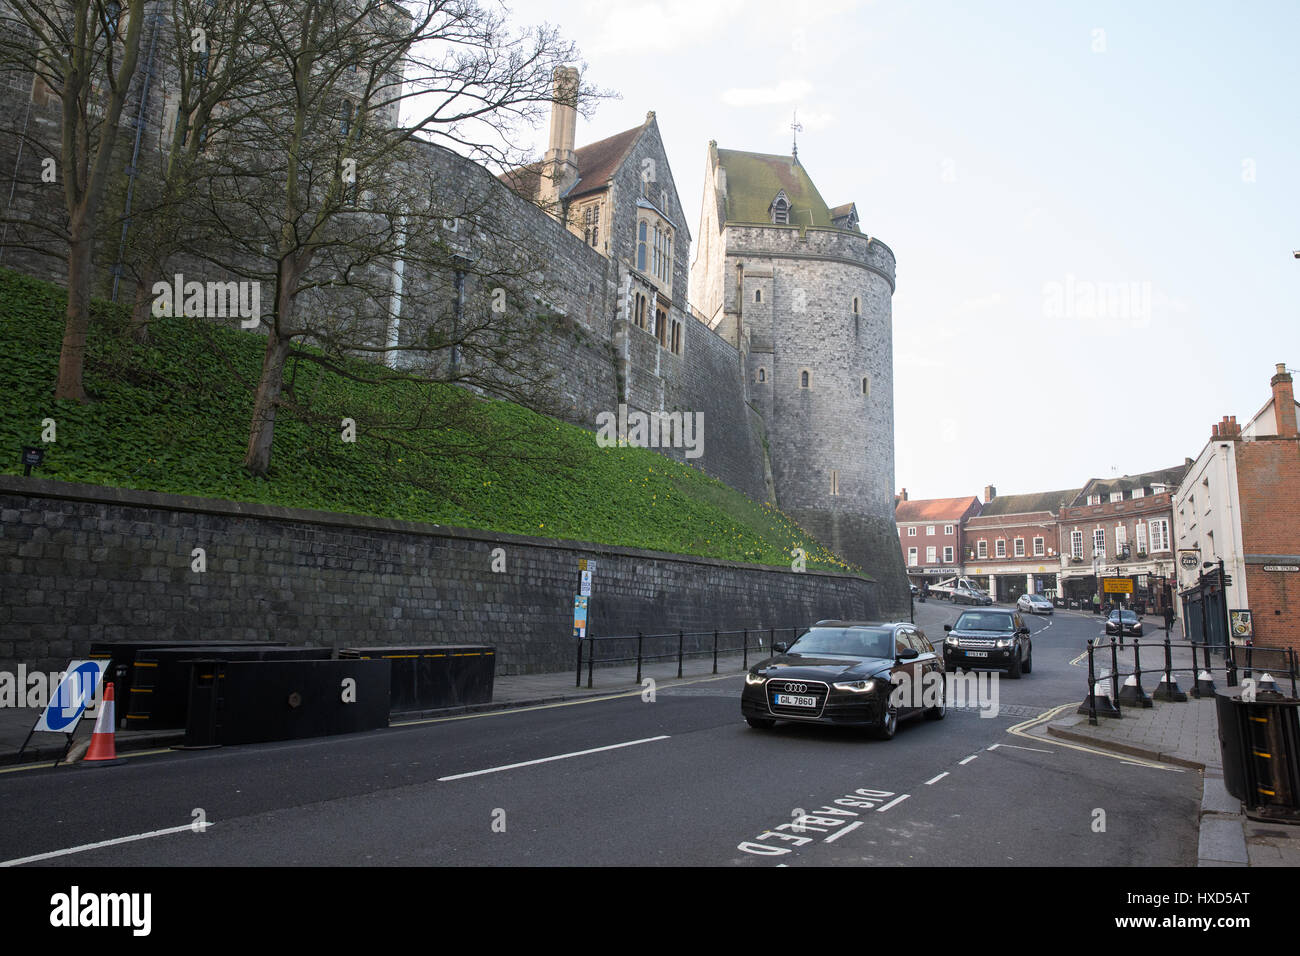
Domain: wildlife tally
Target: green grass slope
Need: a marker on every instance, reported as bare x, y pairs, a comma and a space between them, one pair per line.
173, 417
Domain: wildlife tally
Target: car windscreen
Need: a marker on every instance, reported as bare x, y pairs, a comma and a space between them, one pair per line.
849, 641
983, 621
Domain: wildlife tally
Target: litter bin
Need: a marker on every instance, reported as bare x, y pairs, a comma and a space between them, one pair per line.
1260, 744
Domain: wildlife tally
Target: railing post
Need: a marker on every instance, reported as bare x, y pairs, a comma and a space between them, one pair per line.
680, 639
1230, 657
1114, 670
1092, 688
1137, 659
1169, 661
639, 638
591, 658
744, 640
715, 650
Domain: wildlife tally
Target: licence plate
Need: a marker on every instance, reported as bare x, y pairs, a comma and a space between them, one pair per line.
977, 653
792, 700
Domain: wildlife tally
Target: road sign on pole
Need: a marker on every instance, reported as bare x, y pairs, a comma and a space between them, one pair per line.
585, 589
579, 616
1117, 585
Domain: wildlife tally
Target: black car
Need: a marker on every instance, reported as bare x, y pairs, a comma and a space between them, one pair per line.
989, 638
1132, 624
848, 672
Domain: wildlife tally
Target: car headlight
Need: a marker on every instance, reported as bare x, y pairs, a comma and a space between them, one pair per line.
1005, 642
951, 641
752, 678
857, 686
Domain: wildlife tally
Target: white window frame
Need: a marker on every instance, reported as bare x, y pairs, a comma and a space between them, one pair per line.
1018, 547
911, 557
1141, 535
929, 531
1076, 543
1159, 538
1139, 492
1000, 548
1040, 546
1117, 496
1098, 542
947, 554
947, 529
911, 531
981, 548
931, 555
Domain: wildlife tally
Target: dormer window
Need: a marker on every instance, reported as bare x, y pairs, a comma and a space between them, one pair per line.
780, 209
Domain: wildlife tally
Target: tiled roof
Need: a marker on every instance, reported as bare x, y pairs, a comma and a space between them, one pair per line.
933, 509
1171, 477
1051, 501
754, 179
597, 163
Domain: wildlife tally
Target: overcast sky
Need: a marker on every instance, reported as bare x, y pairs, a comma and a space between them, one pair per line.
1093, 205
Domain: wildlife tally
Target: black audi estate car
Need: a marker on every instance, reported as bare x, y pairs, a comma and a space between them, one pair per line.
844, 672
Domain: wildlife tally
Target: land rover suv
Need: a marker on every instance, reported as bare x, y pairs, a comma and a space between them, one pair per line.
989, 638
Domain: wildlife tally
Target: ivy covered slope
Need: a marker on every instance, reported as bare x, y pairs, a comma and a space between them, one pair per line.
173, 416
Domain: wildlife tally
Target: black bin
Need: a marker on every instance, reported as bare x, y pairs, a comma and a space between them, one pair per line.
1260, 744
433, 676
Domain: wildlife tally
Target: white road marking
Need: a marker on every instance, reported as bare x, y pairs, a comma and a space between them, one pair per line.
103, 843
1015, 747
968, 759
936, 779
891, 803
839, 833
530, 763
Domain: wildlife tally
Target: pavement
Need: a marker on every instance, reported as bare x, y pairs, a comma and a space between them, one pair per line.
1179, 733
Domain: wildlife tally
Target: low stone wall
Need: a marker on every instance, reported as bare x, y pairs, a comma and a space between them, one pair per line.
82, 563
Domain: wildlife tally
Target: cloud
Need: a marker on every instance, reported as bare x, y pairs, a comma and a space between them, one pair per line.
787, 91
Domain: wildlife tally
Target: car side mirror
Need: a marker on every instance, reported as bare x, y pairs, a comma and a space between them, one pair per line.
908, 654
1024, 630
947, 627
780, 647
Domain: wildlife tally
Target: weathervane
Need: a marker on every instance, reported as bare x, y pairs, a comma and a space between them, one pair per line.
797, 127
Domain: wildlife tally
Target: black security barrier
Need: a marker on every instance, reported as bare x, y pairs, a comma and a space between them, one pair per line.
1259, 740
435, 675
121, 661
676, 646
158, 695
245, 702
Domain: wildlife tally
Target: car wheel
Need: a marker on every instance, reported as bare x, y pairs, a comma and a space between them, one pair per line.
1029, 661
888, 725
760, 723
938, 713
1013, 672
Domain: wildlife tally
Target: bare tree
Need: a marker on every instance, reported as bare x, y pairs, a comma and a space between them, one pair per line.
85, 53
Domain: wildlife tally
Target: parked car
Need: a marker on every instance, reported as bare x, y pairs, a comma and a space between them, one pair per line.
844, 672
1034, 604
1132, 624
989, 638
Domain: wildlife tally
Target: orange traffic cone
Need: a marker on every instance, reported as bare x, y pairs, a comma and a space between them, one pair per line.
103, 745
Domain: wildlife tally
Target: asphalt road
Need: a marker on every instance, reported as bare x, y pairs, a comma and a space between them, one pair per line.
679, 780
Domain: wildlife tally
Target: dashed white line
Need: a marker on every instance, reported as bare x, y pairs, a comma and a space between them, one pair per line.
1036, 750
933, 780
968, 759
530, 763
839, 833
103, 843
893, 802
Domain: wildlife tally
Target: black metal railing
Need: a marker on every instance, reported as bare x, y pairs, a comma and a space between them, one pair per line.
641, 648
1234, 661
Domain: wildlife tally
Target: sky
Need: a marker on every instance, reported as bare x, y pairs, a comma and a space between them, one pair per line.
1093, 205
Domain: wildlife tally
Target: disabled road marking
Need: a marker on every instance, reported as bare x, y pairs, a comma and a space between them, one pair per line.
839, 833
934, 780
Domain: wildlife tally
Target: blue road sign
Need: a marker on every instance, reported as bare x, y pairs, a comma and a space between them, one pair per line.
75, 692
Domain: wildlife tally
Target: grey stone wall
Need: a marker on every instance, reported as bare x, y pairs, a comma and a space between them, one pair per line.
81, 563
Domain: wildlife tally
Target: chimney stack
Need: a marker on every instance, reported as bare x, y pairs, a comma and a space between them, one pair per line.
989, 493
903, 495
559, 168
1226, 430
1283, 402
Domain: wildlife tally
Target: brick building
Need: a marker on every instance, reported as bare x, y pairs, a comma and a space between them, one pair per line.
1239, 504
930, 533
1012, 545
1121, 527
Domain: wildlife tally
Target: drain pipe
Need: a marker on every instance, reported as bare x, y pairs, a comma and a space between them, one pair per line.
135, 154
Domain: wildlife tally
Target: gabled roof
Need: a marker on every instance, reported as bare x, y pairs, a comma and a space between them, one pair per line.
934, 509
597, 163
1051, 501
1169, 477
753, 181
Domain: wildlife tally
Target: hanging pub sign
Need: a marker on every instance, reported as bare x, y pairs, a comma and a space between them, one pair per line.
1190, 560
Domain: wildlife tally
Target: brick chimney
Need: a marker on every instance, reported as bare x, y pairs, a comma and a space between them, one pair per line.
559, 167
1226, 430
902, 495
1283, 402
989, 493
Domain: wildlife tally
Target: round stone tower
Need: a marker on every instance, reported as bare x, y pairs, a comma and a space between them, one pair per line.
806, 297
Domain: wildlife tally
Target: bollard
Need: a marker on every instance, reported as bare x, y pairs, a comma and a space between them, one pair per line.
591, 657
1089, 705
578, 680
715, 651
680, 638
639, 639
744, 641
1114, 672
1132, 693
1168, 688
1230, 660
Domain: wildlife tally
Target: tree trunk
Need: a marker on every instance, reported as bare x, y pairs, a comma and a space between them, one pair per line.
141, 310
258, 458
72, 357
